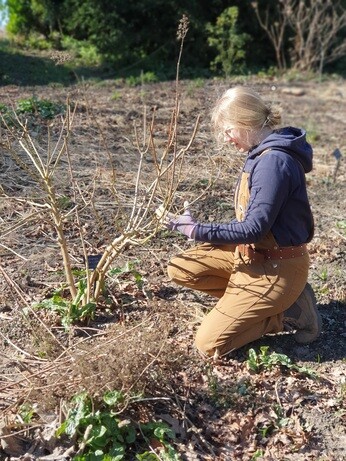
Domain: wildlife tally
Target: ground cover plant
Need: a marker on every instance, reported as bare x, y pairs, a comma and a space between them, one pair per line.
128, 366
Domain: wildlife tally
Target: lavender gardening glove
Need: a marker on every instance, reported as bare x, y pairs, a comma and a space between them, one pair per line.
183, 223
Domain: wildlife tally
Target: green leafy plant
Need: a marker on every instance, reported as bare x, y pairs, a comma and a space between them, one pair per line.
340, 224
268, 73
228, 42
38, 42
116, 96
276, 422
102, 435
144, 77
312, 133
85, 53
129, 268
194, 85
70, 311
257, 454
65, 202
323, 274
6, 116
266, 361
26, 412
42, 107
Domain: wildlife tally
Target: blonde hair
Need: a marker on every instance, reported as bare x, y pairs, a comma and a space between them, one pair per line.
241, 107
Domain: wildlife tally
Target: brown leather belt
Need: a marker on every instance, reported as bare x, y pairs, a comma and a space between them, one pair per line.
273, 253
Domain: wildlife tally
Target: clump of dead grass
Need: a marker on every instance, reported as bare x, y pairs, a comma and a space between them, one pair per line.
137, 358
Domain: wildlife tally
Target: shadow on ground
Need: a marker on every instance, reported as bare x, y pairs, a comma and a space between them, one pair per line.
331, 345
30, 70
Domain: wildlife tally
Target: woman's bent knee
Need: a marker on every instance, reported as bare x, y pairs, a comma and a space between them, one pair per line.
176, 271
205, 345
173, 271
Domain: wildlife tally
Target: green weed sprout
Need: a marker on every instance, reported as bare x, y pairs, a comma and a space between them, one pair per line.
69, 311
266, 361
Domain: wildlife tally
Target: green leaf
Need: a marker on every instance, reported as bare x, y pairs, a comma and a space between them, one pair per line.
267, 361
81, 312
281, 359
110, 422
61, 429
163, 430
138, 278
112, 398
147, 456
82, 285
77, 416
56, 303
131, 434
170, 454
109, 457
252, 360
116, 271
66, 321
263, 351
26, 411
117, 452
99, 437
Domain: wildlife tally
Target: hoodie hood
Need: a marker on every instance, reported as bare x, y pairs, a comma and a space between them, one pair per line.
291, 140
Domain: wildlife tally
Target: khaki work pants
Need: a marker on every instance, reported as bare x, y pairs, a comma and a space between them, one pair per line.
252, 296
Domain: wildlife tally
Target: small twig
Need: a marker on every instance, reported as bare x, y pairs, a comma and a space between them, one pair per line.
338, 233
41, 372
277, 392
113, 339
150, 399
148, 441
25, 301
13, 252
21, 350
85, 438
53, 457
197, 432
14, 285
21, 431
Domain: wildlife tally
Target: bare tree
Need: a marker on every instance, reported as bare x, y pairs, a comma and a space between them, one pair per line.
274, 29
314, 27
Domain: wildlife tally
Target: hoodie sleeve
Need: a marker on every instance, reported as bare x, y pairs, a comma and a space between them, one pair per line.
270, 185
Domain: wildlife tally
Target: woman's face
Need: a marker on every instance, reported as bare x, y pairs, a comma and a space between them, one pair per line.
240, 138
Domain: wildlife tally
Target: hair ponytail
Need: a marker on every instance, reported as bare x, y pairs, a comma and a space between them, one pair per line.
273, 118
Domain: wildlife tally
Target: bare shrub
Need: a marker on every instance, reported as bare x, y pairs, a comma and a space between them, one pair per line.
59, 196
313, 27
316, 27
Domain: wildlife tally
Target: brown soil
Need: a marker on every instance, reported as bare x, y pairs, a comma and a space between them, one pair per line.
142, 337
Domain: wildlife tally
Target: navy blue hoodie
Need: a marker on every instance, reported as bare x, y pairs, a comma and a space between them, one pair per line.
278, 197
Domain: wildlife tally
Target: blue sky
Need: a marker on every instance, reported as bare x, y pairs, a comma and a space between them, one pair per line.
3, 19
